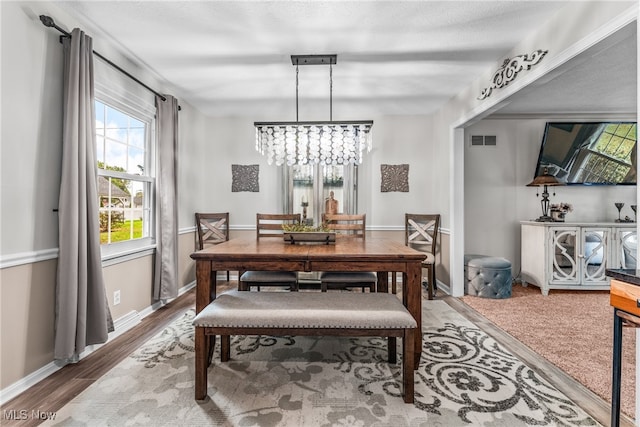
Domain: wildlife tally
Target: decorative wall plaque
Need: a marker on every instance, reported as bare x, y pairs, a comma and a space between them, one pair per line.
244, 178
510, 69
394, 178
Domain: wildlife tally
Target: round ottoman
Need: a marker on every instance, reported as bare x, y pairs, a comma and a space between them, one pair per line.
489, 277
467, 258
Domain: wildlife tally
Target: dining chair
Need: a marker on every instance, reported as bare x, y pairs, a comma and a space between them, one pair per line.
212, 228
269, 226
421, 233
348, 226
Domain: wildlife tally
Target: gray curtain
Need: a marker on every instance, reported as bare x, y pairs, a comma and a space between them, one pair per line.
82, 313
166, 263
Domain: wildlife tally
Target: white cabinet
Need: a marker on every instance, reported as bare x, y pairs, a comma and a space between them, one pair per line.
558, 255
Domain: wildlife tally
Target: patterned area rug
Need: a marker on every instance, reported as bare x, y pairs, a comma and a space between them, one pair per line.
465, 379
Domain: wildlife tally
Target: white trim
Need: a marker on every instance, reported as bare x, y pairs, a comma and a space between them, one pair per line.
121, 325
456, 207
131, 254
485, 108
546, 67
153, 307
187, 230
21, 258
30, 380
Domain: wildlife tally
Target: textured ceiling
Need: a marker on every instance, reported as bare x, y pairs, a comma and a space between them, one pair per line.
232, 58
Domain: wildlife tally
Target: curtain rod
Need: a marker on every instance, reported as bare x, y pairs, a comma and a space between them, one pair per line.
48, 21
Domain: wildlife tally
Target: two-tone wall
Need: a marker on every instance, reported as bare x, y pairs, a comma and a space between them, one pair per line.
31, 89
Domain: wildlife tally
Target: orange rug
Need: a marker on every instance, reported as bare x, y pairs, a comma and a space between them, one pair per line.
571, 329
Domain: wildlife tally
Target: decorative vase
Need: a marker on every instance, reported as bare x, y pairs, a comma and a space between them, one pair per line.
558, 216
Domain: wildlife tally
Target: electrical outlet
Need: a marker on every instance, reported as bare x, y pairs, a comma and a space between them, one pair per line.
116, 297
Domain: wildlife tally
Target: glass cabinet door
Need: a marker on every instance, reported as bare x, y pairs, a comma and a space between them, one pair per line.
594, 252
628, 244
565, 268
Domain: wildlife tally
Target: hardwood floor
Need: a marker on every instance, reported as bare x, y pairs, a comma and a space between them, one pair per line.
55, 391
58, 389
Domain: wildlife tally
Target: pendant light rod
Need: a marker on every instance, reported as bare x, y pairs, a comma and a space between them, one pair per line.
330, 60
297, 82
314, 142
330, 92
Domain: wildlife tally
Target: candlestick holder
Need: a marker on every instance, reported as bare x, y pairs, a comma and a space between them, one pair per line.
304, 210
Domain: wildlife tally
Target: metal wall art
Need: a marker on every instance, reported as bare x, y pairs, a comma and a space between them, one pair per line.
394, 178
510, 69
244, 178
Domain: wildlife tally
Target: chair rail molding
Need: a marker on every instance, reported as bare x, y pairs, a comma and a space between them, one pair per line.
21, 258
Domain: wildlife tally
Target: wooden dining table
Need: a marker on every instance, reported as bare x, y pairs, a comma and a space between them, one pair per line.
346, 254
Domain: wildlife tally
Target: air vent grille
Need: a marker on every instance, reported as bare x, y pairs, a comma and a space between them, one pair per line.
483, 140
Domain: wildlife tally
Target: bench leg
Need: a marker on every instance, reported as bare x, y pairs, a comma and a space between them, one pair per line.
407, 365
201, 351
225, 348
392, 353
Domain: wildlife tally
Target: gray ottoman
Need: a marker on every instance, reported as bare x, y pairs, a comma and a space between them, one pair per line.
489, 277
467, 258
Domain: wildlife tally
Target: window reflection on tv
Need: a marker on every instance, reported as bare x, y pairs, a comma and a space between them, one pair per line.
589, 153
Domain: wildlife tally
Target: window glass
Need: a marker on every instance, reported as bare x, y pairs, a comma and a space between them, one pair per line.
125, 182
318, 189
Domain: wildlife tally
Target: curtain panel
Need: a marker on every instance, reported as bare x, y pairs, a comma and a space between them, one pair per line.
82, 312
166, 260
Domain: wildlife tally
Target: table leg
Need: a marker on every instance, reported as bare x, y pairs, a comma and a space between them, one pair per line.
617, 369
383, 282
412, 297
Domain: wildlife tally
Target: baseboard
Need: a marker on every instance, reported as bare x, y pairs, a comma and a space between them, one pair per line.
121, 325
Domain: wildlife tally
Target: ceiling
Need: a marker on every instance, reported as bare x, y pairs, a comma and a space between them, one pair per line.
232, 58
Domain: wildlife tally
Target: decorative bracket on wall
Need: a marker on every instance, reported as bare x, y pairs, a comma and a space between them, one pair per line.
510, 69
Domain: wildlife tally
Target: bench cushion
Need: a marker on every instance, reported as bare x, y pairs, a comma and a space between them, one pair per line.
339, 310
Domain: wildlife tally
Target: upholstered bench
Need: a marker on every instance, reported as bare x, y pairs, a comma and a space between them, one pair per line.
488, 277
304, 313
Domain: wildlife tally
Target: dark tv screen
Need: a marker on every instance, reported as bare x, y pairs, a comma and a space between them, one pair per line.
589, 153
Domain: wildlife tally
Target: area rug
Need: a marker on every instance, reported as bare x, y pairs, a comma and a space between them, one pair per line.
465, 379
571, 329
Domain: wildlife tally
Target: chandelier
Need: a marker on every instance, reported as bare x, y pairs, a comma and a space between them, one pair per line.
300, 143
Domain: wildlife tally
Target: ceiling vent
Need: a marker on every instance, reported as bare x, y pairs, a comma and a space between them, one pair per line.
483, 140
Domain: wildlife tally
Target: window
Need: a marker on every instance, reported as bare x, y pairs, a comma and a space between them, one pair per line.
312, 188
608, 156
125, 176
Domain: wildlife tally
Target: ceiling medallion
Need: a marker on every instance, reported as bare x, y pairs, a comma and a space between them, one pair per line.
510, 69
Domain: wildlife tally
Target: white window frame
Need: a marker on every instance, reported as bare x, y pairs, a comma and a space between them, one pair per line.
145, 245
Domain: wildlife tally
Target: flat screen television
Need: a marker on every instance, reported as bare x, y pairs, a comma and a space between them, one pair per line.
589, 153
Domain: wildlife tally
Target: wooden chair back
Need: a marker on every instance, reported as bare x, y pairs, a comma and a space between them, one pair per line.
270, 225
213, 228
350, 225
421, 231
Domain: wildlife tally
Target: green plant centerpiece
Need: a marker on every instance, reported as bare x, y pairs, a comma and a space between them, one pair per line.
308, 234
304, 228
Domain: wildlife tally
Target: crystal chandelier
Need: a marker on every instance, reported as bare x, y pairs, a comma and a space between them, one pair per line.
301, 143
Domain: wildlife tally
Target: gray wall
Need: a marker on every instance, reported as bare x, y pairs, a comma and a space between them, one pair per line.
496, 195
